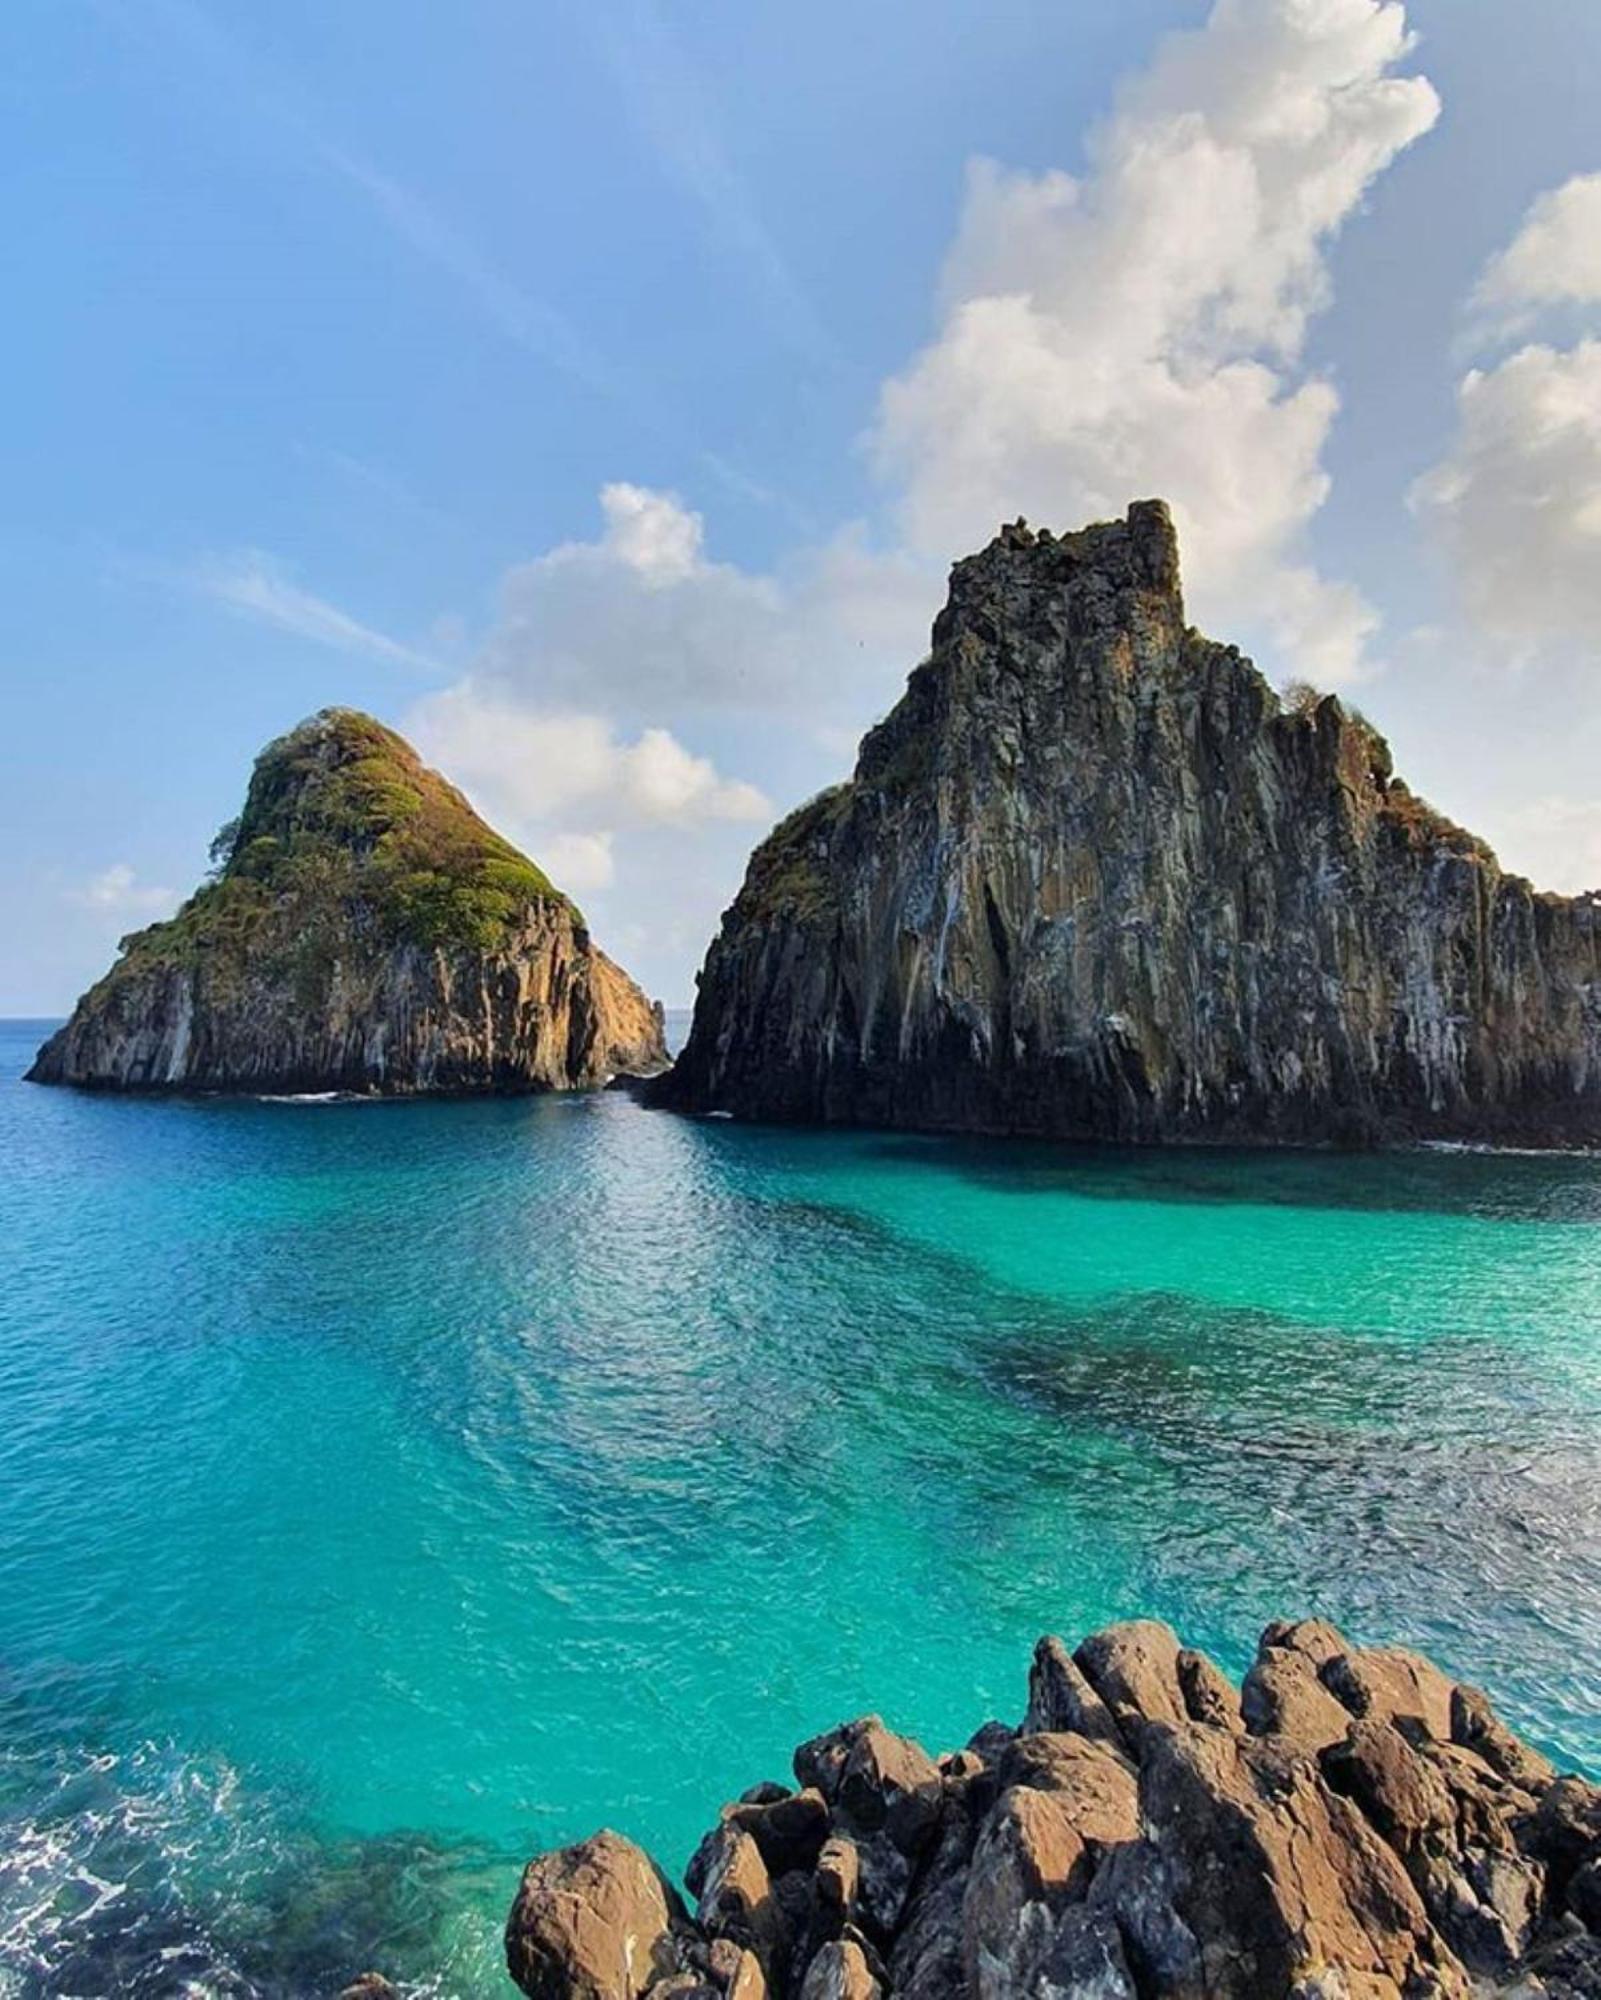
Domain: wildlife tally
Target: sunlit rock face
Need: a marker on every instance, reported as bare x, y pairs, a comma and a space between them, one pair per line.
1094, 878
365, 931
1348, 1822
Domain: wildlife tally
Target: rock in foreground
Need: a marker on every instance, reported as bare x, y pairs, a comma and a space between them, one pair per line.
1093, 878
366, 931
1349, 1825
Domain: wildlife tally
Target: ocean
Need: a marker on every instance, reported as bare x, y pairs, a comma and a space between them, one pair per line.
390, 1490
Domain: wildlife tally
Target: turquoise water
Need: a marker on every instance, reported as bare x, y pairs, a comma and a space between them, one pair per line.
389, 1490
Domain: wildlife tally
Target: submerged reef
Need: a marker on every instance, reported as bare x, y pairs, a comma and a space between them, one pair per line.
1349, 1824
1094, 878
365, 931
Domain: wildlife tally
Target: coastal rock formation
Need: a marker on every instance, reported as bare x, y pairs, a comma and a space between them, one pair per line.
1094, 878
1351, 1825
365, 931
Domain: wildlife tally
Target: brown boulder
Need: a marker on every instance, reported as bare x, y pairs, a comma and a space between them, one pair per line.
840, 1971
1257, 1879
1060, 1699
1134, 1668
887, 1793
1449, 1825
1390, 1684
1282, 1697
1099, 1788
1477, 1727
789, 1829
736, 1896
839, 1872
1029, 1862
736, 1971
1208, 1694
594, 1921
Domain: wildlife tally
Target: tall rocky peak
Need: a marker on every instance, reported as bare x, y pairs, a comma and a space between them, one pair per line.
364, 930
1094, 878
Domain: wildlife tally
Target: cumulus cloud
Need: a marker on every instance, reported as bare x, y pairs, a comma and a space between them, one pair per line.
1554, 260
1140, 329
644, 618
119, 891
1516, 500
539, 768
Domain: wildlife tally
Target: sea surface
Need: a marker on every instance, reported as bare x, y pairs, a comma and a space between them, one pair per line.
387, 1491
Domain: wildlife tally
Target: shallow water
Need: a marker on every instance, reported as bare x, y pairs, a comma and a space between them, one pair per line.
389, 1490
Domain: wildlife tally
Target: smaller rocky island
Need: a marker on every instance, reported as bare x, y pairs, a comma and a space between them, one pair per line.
364, 931
1349, 1824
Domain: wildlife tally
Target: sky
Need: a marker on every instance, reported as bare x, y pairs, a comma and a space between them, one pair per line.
599, 391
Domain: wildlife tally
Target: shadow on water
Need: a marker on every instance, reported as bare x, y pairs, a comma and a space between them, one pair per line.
1515, 1187
1444, 1493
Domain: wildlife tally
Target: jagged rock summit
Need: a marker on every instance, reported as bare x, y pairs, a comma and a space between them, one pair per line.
1093, 878
365, 931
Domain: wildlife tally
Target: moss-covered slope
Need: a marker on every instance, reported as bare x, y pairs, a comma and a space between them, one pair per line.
364, 929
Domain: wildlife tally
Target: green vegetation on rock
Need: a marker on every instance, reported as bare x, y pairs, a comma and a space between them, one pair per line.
347, 837
789, 873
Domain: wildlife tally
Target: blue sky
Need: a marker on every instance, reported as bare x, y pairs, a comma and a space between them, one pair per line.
599, 392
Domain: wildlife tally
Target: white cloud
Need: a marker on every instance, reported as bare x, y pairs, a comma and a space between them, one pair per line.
653, 534
117, 889
535, 766
1516, 501
255, 585
1556, 840
643, 619
579, 862
565, 783
1554, 260
1139, 330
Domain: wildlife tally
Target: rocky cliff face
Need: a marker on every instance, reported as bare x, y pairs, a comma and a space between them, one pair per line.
1093, 878
366, 931
1349, 1824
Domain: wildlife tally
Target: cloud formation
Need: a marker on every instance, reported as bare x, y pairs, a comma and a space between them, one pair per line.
118, 890
644, 620
255, 585
1517, 502
1517, 499
535, 768
1140, 330
1554, 260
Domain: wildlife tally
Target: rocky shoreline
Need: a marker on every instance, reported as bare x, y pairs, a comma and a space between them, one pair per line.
1349, 1824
